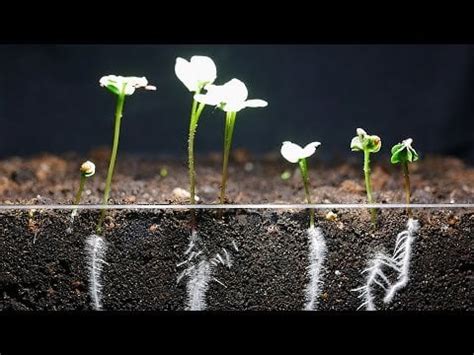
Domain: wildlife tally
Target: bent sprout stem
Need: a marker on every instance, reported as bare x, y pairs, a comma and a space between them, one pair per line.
368, 184
229, 130
113, 156
304, 173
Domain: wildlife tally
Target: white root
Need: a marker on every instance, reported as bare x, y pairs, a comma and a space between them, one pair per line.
317, 256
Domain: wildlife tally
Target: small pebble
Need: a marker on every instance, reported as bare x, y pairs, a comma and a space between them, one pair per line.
180, 193
337, 272
208, 189
248, 167
331, 216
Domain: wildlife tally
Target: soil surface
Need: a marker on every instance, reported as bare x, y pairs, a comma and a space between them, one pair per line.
43, 267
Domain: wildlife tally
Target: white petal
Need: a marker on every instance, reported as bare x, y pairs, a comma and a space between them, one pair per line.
129, 90
407, 142
356, 144
256, 103
361, 132
204, 69
310, 149
235, 90
136, 82
130, 82
185, 73
233, 106
207, 99
291, 152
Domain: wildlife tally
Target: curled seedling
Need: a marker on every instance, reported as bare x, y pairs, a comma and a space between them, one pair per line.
121, 86
367, 144
87, 170
296, 154
231, 98
403, 153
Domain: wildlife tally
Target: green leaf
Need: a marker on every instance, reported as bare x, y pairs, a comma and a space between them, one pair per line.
363, 142
113, 88
356, 144
373, 144
403, 153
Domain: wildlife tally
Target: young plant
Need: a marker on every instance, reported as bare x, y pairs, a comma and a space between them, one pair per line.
195, 75
231, 98
367, 144
295, 154
403, 153
121, 86
87, 170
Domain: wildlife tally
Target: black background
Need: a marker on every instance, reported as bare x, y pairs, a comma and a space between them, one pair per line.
50, 99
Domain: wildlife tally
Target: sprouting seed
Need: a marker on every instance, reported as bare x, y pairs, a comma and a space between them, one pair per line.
367, 144
163, 172
285, 175
121, 86
195, 75
231, 98
403, 153
296, 154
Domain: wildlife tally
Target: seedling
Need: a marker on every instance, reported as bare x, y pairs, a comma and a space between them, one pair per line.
121, 86
195, 75
163, 172
286, 175
403, 153
231, 98
87, 170
295, 154
367, 144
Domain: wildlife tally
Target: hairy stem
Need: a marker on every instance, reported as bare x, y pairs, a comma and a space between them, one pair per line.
304, 173
229, 130
193, 123
406, 176
368, 185
113, 156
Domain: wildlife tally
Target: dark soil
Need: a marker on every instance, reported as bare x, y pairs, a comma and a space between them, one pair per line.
44, 268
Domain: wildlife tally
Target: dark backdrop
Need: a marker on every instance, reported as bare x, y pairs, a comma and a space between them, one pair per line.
50, 99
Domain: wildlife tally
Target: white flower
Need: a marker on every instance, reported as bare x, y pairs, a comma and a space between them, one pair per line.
294, 153
88, 168
196, 73
230, 97
127, 83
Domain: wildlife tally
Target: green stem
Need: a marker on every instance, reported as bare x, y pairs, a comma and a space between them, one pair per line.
113, 156
229, 130
81, 188
368, 184
193, 123
304, 173
406, 176
78, 195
